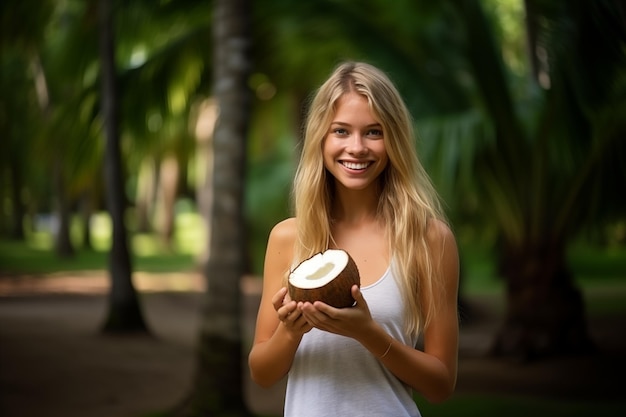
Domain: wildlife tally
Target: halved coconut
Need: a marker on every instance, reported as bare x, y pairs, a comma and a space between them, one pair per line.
327, 276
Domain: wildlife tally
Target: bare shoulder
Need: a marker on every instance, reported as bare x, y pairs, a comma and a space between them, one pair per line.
438, 233
278, 255
443, 246
284, 233
280, 246
444, 251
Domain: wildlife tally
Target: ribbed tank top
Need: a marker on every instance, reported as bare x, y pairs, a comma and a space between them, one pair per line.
335, 376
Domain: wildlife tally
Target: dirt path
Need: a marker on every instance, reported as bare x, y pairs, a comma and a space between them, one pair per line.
54, 363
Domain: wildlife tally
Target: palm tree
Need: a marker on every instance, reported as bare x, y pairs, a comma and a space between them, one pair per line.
124, 310
218, 384
552, 160
163, 76
17, 121
22, 103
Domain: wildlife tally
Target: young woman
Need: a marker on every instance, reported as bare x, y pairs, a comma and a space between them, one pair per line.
360, 187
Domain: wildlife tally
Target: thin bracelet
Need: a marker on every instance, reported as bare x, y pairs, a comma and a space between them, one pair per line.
388, 349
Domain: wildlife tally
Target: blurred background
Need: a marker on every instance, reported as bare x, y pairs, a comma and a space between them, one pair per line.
520, 114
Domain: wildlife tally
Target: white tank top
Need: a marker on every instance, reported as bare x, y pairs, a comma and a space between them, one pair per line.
335, 376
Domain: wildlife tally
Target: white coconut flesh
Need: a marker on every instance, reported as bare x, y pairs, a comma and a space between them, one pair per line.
327, 277
319, 270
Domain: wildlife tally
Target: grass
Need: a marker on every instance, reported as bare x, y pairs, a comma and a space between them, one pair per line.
600, 273
23, 258
149, 253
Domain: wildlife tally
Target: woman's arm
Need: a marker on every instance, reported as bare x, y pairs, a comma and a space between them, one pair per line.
433, 372
280, 326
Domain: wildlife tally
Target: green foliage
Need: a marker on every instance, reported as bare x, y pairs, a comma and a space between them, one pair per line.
267, 198
23, 23
532, 155
603, 263
506, 154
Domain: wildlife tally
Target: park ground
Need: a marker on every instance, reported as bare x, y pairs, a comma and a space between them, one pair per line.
54, 362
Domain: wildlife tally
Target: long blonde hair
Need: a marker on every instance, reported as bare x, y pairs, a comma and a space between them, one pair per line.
408, 200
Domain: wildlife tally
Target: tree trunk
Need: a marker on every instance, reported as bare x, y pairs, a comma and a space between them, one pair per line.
545, 312
124, 313
169, 172
62, 240
18, 207
530, 21
144, 200
86, 209
218, 383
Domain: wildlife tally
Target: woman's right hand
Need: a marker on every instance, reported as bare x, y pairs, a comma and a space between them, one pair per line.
289, 315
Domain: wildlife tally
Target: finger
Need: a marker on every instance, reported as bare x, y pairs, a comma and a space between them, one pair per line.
302, 325
295, 321
299, 321
316, 317
279, 298
325, 308
361, 304
308, 312
286, 311
357, 294
292, 312
307, 308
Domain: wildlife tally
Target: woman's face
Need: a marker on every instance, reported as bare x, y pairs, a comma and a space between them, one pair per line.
354, 147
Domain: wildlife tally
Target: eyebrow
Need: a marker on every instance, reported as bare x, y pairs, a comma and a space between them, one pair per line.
348, 124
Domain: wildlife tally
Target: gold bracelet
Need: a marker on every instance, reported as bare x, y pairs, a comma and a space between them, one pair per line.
388, 349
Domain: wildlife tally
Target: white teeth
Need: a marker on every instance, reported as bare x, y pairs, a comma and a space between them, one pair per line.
354, 165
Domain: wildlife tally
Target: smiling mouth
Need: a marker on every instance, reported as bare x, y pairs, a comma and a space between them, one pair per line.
355, 165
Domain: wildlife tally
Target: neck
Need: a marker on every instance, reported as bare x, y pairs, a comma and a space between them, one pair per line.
356, 206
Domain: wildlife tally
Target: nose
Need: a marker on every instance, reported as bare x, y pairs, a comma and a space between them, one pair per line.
357, 145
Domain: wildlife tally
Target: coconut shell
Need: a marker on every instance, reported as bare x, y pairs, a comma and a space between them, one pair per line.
336, 293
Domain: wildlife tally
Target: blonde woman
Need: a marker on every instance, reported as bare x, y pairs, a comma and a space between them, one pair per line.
360, 187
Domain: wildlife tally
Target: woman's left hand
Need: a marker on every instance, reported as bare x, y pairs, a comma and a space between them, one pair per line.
349, 321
